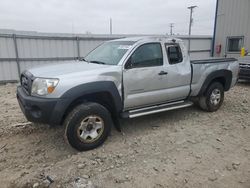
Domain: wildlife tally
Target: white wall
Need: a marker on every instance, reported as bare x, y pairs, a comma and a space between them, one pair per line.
38, 49
233, 19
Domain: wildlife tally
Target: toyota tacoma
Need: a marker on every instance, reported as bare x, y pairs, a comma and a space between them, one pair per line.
123, 78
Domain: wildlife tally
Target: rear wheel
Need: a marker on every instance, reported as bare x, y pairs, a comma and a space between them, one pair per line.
88, 126
213, 98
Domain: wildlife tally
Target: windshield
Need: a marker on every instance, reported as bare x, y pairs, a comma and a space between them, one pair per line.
109, 53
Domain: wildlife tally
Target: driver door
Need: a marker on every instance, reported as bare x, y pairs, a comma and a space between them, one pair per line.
144, 77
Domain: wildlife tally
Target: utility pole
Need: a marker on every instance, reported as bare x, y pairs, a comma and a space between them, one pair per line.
110, 26
190, 25
171, 28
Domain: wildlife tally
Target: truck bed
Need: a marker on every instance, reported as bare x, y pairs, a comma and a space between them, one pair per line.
212, 60
202, 68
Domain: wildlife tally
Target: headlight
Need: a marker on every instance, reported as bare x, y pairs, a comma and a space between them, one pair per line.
43, 86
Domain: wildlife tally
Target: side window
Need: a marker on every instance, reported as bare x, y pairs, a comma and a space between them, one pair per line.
147, 55
174, 53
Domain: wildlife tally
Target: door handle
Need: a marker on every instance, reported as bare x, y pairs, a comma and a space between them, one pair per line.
163, 73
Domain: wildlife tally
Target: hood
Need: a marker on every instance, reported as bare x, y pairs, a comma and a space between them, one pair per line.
56, 70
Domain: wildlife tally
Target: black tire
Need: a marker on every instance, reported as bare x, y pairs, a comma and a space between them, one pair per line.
74, 120
205, 100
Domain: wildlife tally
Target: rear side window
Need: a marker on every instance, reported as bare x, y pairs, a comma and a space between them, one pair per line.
174, 53
147, 55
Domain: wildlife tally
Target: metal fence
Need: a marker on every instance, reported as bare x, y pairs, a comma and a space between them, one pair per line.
22, 51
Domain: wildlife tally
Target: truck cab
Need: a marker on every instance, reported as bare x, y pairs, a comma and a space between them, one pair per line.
147, 73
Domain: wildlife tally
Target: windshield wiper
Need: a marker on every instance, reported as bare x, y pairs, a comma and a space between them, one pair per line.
97, 62
83, 59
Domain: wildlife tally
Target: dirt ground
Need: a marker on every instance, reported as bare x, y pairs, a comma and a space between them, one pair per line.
181, 148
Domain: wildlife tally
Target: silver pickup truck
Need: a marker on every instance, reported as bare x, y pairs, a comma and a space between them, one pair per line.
123, 78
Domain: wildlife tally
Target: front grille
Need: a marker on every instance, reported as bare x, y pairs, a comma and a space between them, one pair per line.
26, 82
244, 66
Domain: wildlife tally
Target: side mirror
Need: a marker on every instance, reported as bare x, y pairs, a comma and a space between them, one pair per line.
128, 64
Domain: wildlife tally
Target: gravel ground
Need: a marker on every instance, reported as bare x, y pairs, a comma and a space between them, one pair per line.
181, 148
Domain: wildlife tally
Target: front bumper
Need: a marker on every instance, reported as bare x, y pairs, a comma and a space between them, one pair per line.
41, 110
244, 74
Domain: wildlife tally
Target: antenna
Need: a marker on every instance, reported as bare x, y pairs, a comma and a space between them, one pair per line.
110, 26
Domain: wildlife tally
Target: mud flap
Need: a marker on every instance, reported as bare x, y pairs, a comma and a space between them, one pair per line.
117, 123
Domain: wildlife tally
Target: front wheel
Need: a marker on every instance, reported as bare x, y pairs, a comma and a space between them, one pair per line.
88, 126
213, 98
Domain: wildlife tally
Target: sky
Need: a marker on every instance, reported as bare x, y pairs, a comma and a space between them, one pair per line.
92, 16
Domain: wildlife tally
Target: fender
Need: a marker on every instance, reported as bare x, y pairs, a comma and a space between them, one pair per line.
96, 87
225, 74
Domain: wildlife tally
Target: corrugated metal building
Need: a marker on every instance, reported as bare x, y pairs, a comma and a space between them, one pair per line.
23, 50
232, 27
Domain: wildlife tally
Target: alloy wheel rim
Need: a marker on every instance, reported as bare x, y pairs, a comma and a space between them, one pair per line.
90, 129
215, 97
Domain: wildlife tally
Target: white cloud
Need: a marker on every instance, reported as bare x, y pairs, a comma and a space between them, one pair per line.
129, 16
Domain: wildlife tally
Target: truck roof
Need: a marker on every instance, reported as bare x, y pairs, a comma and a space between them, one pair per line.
149, 38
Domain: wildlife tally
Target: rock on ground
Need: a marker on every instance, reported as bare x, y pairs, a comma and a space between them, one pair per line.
181, 148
